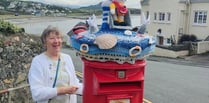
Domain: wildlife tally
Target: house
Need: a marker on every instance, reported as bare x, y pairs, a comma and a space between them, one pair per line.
39, 13
1, 8
170, 19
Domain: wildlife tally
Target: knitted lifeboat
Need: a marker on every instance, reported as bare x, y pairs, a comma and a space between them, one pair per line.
111, 42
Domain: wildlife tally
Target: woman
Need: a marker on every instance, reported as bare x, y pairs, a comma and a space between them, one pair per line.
52, 75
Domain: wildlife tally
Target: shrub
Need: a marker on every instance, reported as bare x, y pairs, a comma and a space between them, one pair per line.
8, 28
186, 38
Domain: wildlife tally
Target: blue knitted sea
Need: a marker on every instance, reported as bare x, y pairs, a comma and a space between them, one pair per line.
121, 49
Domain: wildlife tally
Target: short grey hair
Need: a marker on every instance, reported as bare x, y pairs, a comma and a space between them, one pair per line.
47, 31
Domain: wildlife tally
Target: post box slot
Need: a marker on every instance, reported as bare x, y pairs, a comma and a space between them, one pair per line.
120, 86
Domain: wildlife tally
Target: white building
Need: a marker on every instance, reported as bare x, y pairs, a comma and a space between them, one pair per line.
170, 19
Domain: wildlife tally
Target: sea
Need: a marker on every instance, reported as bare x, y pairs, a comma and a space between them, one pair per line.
35, 26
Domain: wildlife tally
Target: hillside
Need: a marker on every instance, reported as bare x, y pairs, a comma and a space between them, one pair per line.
19, 7
30, 7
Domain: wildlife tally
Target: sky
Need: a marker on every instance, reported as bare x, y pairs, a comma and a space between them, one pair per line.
129, 3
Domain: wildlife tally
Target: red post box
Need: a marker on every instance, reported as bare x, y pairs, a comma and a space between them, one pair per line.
110, 82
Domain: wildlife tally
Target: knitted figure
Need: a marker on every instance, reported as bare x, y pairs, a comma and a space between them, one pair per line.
118, 10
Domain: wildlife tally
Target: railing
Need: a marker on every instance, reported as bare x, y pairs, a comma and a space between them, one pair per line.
20, 94
13, 89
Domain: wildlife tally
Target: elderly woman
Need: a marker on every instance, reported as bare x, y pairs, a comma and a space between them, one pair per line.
52, 75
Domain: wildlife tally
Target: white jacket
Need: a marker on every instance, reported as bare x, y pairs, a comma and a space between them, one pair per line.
40, 79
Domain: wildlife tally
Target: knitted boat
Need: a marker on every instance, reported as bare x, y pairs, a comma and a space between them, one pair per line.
111, 42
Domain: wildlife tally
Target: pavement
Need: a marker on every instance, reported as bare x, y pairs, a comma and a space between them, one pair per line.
200, 60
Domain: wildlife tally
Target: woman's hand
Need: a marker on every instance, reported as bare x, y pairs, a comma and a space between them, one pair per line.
66, 90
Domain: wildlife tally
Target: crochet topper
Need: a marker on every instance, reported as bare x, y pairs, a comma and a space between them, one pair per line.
118, 11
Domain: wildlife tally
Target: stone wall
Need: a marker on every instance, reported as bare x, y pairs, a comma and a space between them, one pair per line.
16, 53
169, 53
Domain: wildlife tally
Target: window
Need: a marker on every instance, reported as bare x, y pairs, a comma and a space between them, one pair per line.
161, 16
168, 16
200, 17
168, 41
155, 16
147, 14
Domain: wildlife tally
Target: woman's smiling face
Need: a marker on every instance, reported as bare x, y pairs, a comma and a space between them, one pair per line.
53, 42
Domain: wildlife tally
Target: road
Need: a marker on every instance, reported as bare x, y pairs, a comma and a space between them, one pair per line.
170, 80
174, 83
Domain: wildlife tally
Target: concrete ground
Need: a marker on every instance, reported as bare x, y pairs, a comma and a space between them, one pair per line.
200, 60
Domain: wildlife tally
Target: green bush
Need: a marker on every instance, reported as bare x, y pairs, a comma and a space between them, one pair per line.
8, 28
187, 38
